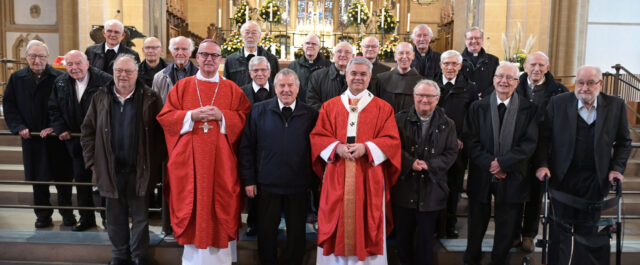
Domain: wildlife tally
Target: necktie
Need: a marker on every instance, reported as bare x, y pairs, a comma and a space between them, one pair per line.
286, 112
250, 56
448, 86
502, 109
109, 57
261, 95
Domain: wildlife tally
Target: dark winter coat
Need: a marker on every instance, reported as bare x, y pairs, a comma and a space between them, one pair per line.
482, 72
236, 67
95, 53
456, 101
549, 88
304, 69
325, 84
427, 65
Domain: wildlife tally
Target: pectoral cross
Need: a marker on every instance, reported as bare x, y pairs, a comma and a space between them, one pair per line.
205, 127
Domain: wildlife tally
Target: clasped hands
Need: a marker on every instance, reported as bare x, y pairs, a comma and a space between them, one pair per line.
495, 169
351, 151
206, 113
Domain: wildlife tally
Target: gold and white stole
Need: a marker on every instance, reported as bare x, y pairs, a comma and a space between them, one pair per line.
353, 106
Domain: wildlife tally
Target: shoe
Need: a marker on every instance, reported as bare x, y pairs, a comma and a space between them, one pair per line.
83, 225
140, 261
527, 245
69, 221
104, 224
119, 261
251, 231
453, 234
42, 223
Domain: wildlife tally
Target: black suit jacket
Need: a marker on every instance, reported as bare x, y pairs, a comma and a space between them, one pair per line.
557, 143
95, 54
478, 140
248, 91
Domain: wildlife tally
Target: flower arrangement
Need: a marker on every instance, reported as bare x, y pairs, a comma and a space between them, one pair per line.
513, 53
240, 17
358, 13
267, 42
389, 47
387, 22
233, 44
271, 12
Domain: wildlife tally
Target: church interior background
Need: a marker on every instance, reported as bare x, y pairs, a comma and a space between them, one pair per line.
566, 30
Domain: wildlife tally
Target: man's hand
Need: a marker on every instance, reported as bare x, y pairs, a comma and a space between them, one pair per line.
356, 150
46, 132
419, 165
25, 134
65, 136
217, 113
615, 175
541, 172
343, 151
500, 174
460, 144
251, 191
494, 168
206, 113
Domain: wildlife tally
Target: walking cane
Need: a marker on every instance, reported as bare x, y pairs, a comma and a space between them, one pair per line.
544, 243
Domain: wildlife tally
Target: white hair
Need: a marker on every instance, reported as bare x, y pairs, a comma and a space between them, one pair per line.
335, 48
246, 24
34, 43
507, 64
256, 60
284, 72
112, 22
360, 60
372, 37
413, 34
311, 35
596, 68
173, 41
451, 53
84, 56
124, 56
427, 82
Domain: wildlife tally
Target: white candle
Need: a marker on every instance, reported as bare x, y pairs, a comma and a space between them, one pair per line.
257, 3
293, 53
270, 11
382, 16
358, 14
219, 17
408, 21
397, 11
282, 53
370, 6
247, 13
230, 8
273, 49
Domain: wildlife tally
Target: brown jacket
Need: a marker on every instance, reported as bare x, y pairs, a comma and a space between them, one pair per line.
96, 141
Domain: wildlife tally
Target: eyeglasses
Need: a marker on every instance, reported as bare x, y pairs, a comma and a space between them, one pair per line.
127, 71
37, 56
109, 31
370, 46
427, 96
251, 33
311, 44
448, 64
151, 47
264, 70
508, 78
589, 83
206, 55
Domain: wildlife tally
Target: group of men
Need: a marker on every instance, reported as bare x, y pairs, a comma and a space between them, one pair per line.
318, 135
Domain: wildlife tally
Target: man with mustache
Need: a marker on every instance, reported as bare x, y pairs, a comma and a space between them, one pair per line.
181, 49
102, 55
396, 86
354, 147
68, 105
330, 82
236, 67
152, 64
478, 65
584, 147
426, 61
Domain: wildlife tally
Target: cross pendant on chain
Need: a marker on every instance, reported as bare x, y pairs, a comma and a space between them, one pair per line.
205, 127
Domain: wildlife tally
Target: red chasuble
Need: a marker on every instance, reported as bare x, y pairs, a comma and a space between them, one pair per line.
376, 123
202, 184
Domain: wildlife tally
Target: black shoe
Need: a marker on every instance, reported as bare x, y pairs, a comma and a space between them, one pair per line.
42, 223
69, 220
140, 261
119, 261
453, 234
83, 225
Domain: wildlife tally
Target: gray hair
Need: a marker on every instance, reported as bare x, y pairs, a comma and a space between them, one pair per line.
246, 24
539, 53
413, 34
353, 51
474, 29
311, 35
372, 37
34, 43
112, 22
123, 56
84, 56
256, 60
451, 53
173, 41
427, 82
361, 61
284, 72
507, 64
596, 68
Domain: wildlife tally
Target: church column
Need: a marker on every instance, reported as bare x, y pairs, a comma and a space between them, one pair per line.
568, 37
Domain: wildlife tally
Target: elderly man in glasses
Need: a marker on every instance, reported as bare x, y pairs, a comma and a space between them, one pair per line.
236, 67
307, 64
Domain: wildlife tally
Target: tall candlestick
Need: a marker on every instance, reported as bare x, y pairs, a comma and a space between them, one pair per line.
358, 14
408, 21
270, 11
219, 17
382, 16
257, 3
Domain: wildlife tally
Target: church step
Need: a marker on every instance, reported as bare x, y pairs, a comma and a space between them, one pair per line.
11, 172
10, 140
10, 155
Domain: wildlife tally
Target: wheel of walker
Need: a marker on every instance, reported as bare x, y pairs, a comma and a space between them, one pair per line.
526, 260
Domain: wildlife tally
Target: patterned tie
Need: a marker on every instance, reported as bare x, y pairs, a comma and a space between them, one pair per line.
261, 94
286, 112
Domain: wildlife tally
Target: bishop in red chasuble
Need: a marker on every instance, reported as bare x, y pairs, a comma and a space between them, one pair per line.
202, 120
356, 150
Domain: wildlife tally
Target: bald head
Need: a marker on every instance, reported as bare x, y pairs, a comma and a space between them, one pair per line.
536, 66
152, 49
77, 64
342, 53
404, 56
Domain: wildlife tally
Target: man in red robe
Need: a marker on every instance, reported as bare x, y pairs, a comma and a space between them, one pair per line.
356, 148
202, 120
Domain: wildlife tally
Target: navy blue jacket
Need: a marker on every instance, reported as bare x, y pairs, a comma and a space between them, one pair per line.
276, 154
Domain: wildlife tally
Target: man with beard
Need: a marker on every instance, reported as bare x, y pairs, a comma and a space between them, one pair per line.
152, 64
68, 105
330, 82
310, 62
478, 65
457, 95
426, 61
396, 86
538, 86
370, 49
102, 55
584, 147
181, 49
236, 67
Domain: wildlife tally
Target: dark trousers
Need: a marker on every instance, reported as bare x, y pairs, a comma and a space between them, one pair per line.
454, 181
42, 197
567, 220
505, 222
128, 242
81, 174
527, 225
406, 220
270, 205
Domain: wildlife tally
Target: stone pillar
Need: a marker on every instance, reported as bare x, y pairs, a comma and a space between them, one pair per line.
568, 37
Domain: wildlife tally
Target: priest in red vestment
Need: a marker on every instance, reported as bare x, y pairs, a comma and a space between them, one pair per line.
202, 120
356, 148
